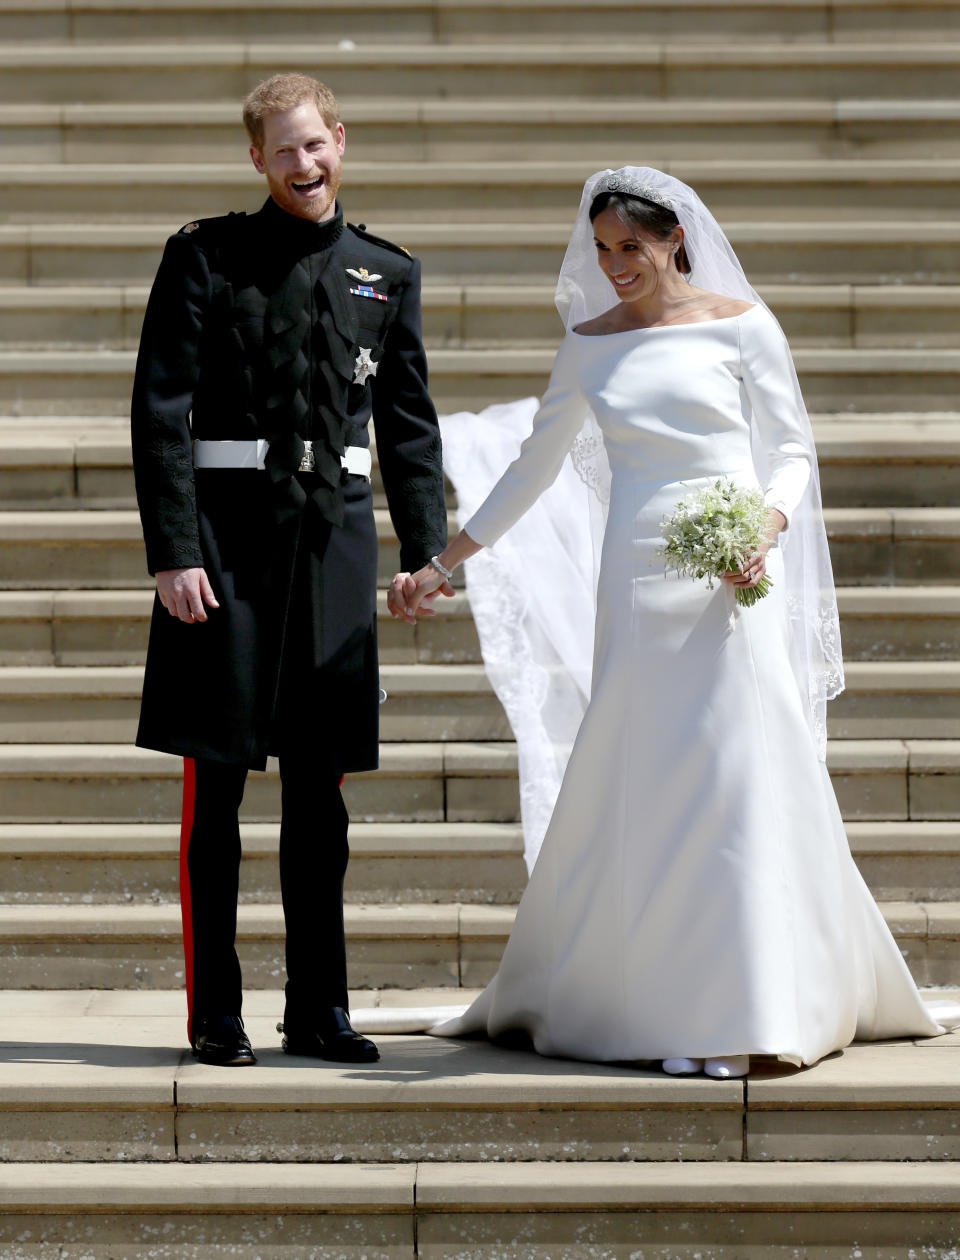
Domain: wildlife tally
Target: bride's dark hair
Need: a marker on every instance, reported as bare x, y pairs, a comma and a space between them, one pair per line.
645, 214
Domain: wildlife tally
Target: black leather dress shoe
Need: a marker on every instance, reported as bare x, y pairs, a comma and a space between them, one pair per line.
328, 1034
220, 1040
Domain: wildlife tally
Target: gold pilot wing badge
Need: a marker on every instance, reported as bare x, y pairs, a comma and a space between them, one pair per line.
367, 280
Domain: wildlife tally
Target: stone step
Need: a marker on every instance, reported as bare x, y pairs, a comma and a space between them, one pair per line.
138, 1036
427, 21
840, 316
895, 780
476, 1211
110, 628
84, 863
635, 1214
139, 946
440, 703
388, 945
531, 129
100, 704
913, 861
903, 699
891, 780
128, 1091
471, 863
896, 623
74, 382
76, 550
209, 1213
460, 191
892, 546
899, 623
64, 73
813, 251
879, 461
417, 783
867, 459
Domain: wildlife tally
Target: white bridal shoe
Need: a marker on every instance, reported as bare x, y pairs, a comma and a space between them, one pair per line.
734, 1065
683, 1067
723, 1069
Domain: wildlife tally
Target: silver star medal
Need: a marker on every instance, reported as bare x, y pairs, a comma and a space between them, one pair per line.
361, 273
364, 367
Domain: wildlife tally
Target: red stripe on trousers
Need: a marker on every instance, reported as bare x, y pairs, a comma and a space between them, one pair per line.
186, 911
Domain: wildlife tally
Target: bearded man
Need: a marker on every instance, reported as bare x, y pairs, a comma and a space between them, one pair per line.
269, 340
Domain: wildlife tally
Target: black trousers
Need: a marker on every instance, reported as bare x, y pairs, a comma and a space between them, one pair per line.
313, 862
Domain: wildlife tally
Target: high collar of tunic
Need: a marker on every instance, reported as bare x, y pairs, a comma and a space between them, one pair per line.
304, 234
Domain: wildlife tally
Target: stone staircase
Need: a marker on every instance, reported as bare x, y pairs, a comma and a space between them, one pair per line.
826, 134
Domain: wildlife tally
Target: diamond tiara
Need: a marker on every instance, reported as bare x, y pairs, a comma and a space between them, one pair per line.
633, 188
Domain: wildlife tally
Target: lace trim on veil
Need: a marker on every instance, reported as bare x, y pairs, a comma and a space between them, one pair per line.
537, 649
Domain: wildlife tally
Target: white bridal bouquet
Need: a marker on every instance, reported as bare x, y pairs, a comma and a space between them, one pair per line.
713, 531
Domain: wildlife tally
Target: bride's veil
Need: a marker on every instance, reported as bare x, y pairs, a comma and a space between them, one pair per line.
540, 663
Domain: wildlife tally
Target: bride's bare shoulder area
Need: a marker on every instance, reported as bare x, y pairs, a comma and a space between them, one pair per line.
728, 306
597, 326
739, 307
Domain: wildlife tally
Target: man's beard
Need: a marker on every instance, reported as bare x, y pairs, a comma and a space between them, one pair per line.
320, 207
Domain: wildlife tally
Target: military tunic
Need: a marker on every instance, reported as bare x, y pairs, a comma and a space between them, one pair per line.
269, 326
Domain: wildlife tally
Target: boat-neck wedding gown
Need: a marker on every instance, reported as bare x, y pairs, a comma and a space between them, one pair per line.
695, 894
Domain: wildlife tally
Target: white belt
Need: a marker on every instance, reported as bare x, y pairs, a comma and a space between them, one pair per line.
252, 453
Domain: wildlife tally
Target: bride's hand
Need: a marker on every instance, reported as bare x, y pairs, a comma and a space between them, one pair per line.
413, 593
755, 566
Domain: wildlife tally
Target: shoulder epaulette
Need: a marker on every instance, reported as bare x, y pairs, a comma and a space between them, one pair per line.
212, 225
361, 230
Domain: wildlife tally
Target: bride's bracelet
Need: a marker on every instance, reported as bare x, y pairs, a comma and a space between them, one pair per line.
442, 569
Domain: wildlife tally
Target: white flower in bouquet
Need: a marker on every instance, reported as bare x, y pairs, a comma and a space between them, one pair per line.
714, 531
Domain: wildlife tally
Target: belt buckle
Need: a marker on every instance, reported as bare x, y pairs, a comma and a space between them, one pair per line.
308, 463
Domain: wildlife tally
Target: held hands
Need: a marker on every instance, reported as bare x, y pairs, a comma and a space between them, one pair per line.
183, 593
756, 565
412, 593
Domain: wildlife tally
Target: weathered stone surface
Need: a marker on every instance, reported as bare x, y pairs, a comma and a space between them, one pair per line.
687, 1232
863, 1103
218, 1211
128, 862
140, 946
454, 1101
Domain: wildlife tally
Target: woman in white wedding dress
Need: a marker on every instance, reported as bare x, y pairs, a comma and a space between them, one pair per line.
694, 900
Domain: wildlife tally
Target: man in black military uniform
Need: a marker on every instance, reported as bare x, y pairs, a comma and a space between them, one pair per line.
268, 341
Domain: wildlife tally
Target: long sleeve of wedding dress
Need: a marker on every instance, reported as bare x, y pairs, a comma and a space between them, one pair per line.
770, 400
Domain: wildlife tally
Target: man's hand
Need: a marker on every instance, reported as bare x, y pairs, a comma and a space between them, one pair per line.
411, 593
183, 593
